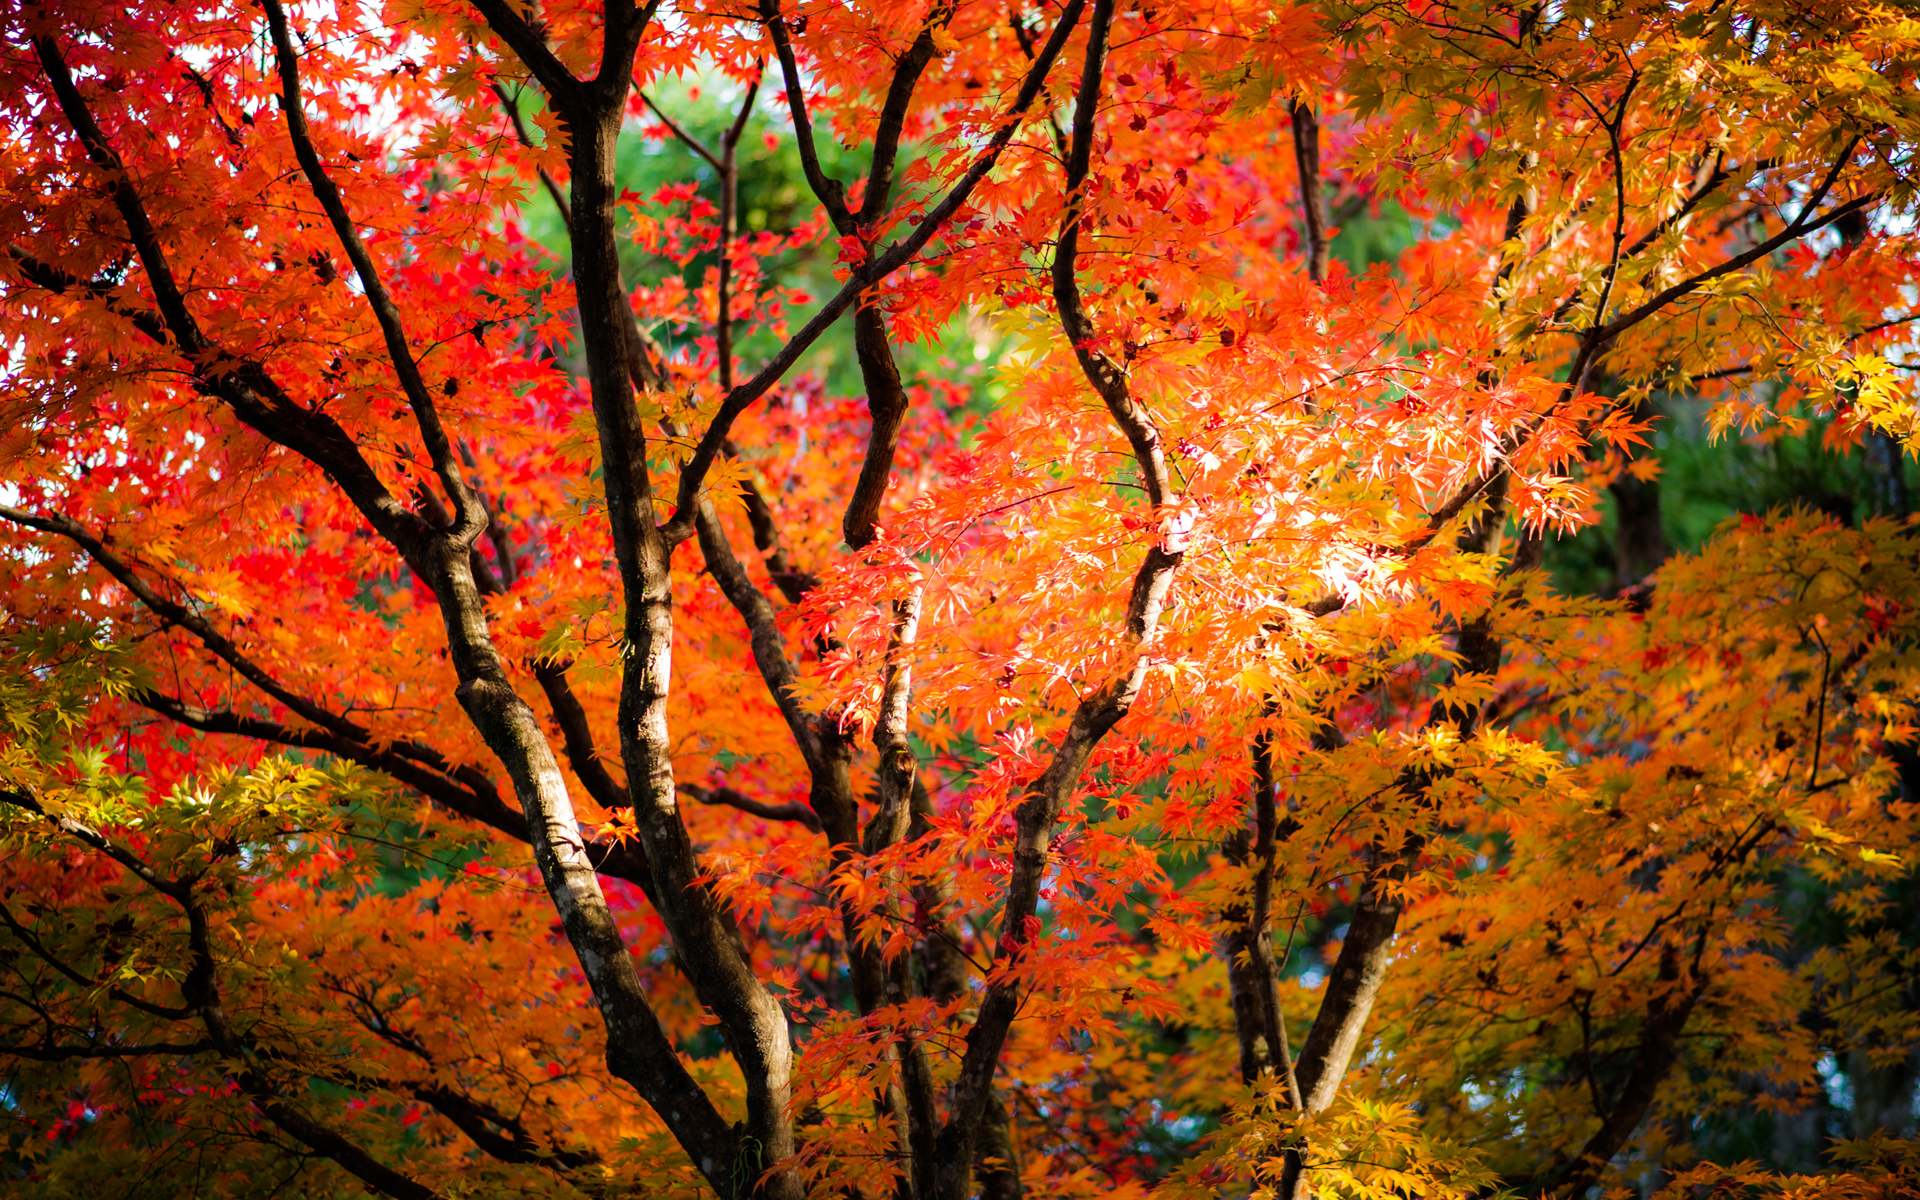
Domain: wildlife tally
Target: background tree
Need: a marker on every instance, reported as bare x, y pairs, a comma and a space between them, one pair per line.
1158, 761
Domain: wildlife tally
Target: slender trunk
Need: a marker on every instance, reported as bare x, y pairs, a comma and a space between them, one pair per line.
1314, 241
1887, 475
1667, 1015
995, 1159
1358, 972
1639, 541
887, 404
751, 1020
1253, 974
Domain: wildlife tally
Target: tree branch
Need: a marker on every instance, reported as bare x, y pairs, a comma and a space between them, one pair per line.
478, 1120
1253, 973
1354, 982
201, 992
692, 143
520, 131
1046, 797
171, 613
471, 513
907, 69
1313, 200
20, 799
729, 207
880, 374
1653, 1059
864, 276
1798, 228
242, 383
1107, 378
576, 736
68, 1053
831, 192
529, 45
732, 798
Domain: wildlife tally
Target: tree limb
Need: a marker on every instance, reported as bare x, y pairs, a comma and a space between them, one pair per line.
1799, 227
471, 513
68, 1053
733, 798
1102, 708
874, 269
201, 992
1313, 200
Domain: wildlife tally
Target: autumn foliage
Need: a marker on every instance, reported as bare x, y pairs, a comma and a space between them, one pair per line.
534, 665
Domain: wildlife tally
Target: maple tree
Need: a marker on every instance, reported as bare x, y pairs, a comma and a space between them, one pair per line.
1144, 754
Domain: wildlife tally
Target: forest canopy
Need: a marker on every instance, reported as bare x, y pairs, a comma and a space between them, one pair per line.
778, 598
